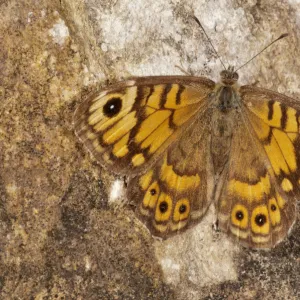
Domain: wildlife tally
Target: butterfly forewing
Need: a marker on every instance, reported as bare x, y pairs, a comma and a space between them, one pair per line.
275, 120
131, 124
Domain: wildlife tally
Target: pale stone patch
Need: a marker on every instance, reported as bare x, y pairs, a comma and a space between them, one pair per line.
116, 194
59, 32
199, 256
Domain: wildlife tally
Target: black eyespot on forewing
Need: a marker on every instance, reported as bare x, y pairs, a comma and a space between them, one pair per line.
112, 107
273, 207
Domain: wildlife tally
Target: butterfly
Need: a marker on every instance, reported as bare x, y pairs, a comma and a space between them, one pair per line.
184, 142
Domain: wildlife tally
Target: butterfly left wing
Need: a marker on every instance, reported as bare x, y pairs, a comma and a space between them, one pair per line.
131, 124
257, 203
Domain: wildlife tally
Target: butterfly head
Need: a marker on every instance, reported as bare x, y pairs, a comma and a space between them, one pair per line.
229, 76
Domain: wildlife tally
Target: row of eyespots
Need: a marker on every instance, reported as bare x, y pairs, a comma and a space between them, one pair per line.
163, 205
260, 217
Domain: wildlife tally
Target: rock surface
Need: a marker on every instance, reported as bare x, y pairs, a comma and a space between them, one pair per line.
61, 234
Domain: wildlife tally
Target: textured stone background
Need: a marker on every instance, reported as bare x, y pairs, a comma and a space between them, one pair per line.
61, 234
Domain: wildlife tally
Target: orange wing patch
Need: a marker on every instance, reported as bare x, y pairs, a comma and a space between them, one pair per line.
128, 125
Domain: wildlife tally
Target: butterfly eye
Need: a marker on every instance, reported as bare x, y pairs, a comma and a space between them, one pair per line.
112, 107
229, 77
224, 74
235, 76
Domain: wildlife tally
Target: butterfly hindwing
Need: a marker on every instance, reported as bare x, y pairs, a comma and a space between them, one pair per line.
132, 123
177, 190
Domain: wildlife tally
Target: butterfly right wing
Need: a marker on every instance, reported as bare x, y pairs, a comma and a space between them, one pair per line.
258, 201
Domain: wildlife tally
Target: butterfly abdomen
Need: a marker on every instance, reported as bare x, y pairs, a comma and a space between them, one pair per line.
225, 117
222, 131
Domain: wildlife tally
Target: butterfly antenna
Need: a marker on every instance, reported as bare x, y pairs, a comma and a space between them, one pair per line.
279, 38
198, 22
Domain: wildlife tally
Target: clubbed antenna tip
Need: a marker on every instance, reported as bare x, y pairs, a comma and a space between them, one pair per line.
198, 22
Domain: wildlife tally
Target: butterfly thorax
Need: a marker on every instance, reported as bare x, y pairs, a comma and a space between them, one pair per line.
226, 97
226, 91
